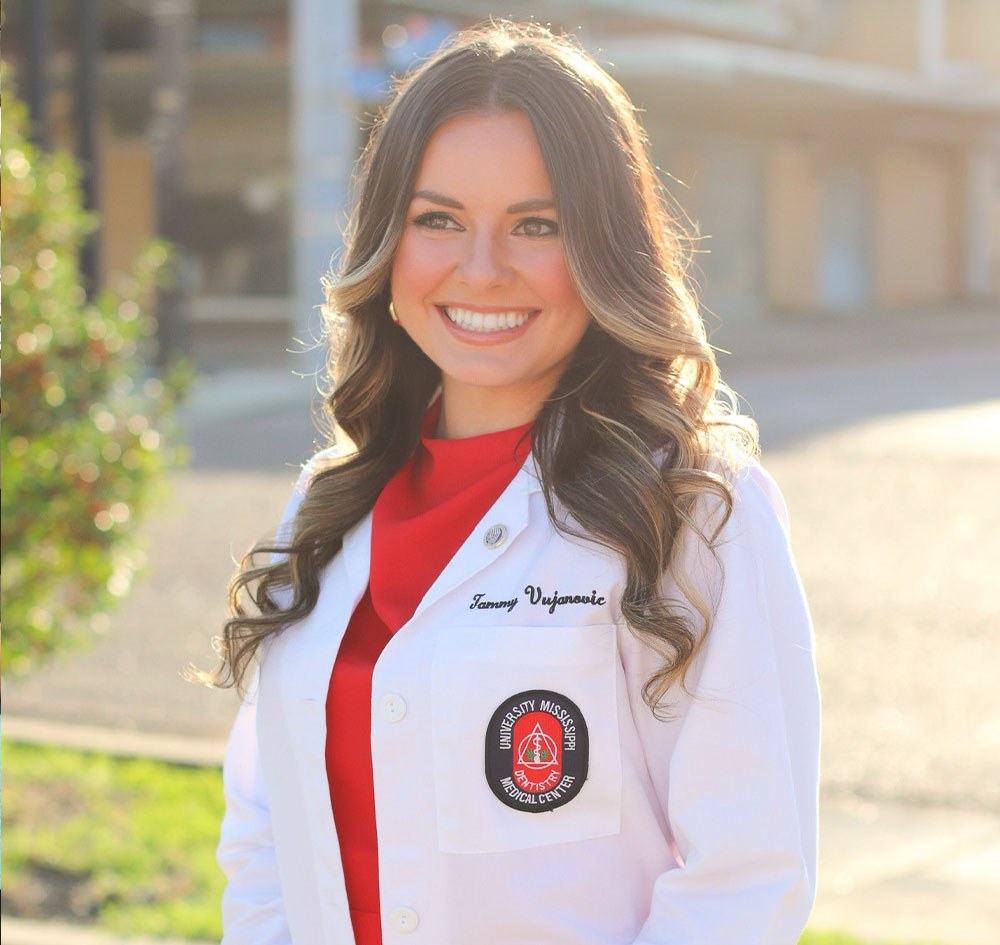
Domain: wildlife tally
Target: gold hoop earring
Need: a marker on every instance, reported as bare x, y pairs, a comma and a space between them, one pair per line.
392, 313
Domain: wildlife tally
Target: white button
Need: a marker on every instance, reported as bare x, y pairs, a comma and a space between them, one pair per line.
403, 919
495, 536
392, 707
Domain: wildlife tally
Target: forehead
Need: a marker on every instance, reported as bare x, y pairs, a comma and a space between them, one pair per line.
485, 156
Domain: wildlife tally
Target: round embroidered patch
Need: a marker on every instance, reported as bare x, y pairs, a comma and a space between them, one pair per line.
536, 751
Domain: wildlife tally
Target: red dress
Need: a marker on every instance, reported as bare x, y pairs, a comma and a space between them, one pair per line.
431, 504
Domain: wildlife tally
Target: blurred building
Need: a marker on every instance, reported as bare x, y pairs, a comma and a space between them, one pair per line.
834, 156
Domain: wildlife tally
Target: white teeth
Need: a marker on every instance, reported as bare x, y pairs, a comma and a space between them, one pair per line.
485, 322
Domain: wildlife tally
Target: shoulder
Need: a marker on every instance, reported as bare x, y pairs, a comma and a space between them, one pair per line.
307, 473
742, 526
758, 506
759, 501
316, 463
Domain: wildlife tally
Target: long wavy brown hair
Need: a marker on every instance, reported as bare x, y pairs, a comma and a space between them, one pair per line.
640, 424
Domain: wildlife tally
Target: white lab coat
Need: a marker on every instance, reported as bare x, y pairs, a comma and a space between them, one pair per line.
698, 830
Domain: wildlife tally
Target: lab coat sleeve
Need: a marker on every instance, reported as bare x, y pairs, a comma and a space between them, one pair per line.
740, 788
253, 911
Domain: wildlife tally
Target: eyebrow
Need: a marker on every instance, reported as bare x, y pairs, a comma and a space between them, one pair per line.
538, 203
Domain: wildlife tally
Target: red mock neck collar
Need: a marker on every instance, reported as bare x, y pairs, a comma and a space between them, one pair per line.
427, 510
462, 460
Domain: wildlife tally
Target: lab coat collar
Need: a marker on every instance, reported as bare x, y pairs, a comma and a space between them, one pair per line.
511, 510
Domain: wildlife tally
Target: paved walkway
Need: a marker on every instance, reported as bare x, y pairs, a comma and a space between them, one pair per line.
885, 438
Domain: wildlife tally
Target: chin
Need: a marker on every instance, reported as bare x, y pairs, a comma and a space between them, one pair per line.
478, 377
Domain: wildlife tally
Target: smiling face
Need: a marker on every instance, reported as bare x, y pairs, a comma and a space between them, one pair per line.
480, 280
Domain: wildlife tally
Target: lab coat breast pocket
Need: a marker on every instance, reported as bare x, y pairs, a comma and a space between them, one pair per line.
525, 736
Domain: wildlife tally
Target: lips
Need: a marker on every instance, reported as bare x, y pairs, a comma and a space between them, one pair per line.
467, 331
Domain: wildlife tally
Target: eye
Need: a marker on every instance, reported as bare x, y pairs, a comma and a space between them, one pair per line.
434, 220
538, 226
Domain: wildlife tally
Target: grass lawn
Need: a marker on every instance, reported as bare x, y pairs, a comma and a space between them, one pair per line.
128, 845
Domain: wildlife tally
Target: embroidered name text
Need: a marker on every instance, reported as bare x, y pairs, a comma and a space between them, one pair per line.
554, 600
479, 603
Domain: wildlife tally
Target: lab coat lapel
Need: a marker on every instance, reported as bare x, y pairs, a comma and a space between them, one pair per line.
357, 554
511, 512
319, 636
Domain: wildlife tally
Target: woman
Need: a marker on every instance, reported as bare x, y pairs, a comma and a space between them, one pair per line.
534, 659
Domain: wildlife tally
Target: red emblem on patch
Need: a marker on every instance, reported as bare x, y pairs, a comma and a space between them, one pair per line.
537, 765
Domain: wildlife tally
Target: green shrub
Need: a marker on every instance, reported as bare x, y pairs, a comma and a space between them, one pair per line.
85, 435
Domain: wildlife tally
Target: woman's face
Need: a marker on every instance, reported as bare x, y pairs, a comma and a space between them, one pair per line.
480, 280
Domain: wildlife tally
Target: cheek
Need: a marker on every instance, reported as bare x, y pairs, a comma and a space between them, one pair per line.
418, 266
551, 278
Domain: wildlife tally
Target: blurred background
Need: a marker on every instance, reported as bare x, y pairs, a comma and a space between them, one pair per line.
839, 154
838, 165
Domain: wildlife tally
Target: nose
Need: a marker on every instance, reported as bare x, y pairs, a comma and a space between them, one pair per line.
484, 263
